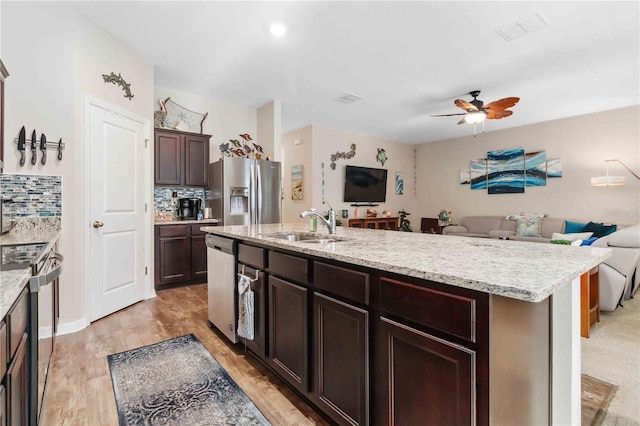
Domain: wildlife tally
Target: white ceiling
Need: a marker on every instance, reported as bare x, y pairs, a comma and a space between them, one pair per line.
408, 60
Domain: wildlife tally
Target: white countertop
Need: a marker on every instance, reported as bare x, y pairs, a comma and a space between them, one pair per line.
185, 222
521, 270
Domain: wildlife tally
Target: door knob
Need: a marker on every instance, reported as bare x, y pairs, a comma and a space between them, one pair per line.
98, 224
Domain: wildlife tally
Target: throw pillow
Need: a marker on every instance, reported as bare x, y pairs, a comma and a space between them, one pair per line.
599, 229
571, 237
528, 226
588, 241
573, 227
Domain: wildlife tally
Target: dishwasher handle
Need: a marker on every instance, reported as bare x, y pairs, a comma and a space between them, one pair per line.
225, 245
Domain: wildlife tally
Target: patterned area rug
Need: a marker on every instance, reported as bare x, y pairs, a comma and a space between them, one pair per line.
177, 382
596, 397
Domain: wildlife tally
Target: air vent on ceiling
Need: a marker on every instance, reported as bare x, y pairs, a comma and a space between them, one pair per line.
347, 98
525, 26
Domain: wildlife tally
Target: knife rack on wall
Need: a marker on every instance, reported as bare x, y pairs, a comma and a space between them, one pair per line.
36, 144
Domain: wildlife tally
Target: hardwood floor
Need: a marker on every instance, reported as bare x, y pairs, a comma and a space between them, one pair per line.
80, 390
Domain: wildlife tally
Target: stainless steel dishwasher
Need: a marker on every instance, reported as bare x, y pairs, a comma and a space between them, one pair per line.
221, 281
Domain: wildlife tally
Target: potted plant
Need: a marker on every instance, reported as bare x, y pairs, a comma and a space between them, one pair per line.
405, 224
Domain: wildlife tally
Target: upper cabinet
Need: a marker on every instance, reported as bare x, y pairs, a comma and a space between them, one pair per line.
3, 74
181, 158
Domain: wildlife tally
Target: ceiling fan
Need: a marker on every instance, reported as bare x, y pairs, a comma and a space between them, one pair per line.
477, 111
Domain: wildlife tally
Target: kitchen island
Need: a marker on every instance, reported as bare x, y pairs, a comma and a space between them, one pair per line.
379, 327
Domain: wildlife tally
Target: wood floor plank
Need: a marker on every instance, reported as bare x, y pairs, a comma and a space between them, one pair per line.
80, 390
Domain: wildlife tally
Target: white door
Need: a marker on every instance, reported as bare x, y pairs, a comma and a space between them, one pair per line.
117, 231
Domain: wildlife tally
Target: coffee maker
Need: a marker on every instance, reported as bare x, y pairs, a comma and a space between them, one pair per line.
188, 208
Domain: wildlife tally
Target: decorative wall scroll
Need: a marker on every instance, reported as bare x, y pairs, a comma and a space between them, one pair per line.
399, 183
345, 155
510, 171
296, 182
119, 81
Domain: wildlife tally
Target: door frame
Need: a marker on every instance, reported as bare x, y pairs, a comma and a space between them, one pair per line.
149, 291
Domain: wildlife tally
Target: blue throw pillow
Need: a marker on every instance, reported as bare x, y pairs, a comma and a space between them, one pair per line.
589, 241
573, 227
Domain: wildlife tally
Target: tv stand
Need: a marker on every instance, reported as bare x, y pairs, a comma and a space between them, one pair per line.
390, 223
364, 205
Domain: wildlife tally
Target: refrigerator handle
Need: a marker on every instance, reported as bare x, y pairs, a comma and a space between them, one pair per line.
252, 195
258, 194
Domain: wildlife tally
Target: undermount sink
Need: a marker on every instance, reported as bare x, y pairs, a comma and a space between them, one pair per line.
305, 238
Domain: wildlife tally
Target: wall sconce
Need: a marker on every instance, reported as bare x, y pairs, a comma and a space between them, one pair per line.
611, 180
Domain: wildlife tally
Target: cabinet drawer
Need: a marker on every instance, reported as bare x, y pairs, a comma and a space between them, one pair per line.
250, 255
195, 230
3, 350
17, 319
173, 231
287, 266
343, 282
452, 313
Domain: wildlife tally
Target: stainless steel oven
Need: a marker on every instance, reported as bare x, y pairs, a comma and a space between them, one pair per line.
43, 286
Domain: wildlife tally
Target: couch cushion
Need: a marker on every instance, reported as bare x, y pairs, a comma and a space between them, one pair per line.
501, 234
600, 229
627, 237
528, 227
551, 225
573, 227
571, 237
481, 224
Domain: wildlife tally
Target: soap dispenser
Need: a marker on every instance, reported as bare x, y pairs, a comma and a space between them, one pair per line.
313, 222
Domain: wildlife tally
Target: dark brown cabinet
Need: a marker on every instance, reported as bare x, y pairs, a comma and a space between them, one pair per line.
251, 260
288, 332
388, 223
341, 360
17, 386
3, 406
180, 255
423, 379
181, 158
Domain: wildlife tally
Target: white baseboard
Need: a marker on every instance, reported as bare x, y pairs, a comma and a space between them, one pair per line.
72, 327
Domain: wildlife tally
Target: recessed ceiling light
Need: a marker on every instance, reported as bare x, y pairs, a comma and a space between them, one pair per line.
347, 98
278, 29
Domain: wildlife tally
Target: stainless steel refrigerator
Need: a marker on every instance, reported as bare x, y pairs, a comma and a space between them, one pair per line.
244, 191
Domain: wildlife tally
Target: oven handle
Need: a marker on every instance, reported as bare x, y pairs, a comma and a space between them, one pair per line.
38, 281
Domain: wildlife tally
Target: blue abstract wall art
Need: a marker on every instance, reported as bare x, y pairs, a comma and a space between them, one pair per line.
465, 177
478, 174
505, 170
535, 164
554, 168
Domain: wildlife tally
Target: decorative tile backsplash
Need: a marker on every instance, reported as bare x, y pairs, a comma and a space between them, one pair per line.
31, 195
162, 197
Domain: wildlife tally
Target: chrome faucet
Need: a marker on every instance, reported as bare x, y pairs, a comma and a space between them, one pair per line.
331, 223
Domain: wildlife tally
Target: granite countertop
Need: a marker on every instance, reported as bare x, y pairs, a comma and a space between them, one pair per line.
13, 281
184, 222
521, 270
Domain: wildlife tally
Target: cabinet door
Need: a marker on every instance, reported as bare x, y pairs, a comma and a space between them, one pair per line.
421, 379
3, 406
257, 345
17, 386
168, 159
172, 254
288, 327
341, 358
198, 258
196, 154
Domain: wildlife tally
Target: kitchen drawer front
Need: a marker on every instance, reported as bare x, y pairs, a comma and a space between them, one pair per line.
452, 313
195, 230
352, 285
172, 231
250, 255
292, 267
17, 319
3, 350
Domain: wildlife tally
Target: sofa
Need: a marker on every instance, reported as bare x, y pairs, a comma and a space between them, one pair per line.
503, 228
619, 275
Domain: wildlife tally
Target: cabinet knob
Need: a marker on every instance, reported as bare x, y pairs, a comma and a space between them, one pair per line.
98, 224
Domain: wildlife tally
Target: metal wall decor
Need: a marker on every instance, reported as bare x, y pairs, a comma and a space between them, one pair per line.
34, 145
381, 157
119, 81
345, 155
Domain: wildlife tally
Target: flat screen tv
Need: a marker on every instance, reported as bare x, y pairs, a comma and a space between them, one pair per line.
365, 185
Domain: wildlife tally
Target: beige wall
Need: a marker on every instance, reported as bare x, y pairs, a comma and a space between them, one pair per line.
322, 142
293, 155
54, 66
269, 133
225, 121
583, 143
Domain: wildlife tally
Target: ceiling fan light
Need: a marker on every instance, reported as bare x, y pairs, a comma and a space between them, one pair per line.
475, 117
607, 181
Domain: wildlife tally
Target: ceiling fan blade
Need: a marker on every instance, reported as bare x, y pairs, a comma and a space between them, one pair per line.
449, 115
462, 120
501, 104
497, 115
465, 105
